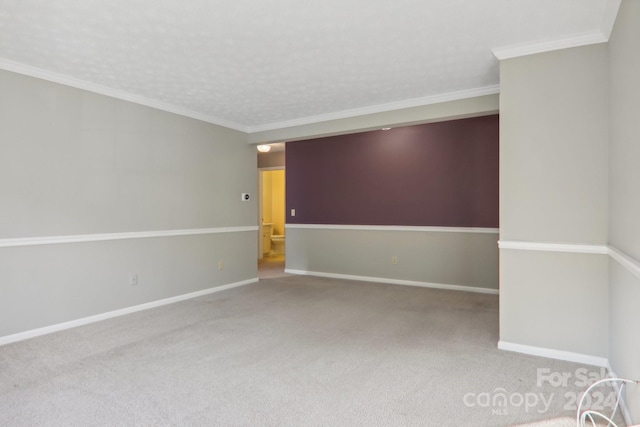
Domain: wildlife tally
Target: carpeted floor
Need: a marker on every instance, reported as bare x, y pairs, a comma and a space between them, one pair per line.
271, 267
288, 351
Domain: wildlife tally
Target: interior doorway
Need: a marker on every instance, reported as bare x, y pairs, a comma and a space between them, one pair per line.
272, 205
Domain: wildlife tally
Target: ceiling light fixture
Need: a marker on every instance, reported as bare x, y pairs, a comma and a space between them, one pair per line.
264, 148
386, 128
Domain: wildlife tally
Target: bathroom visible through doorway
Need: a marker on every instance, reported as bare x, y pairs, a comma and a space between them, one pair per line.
272, 213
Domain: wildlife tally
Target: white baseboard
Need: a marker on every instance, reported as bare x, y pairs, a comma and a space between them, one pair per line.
624, 410
121, 312
555, 354
395, 281
571, 357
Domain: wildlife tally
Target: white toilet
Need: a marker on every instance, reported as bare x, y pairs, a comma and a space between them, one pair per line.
271, 244
277, 244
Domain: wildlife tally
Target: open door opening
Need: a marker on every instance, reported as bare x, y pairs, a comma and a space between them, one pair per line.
272, 245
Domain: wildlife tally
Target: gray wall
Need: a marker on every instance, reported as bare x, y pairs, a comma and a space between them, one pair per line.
553, 146
78, 163
624, 226
272, 159
553, 188
624, 223
570, 128
431, 257
554, 300
456, 259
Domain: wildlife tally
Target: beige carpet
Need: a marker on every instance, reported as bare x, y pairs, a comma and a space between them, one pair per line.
271, 267
290, 351
555, 422
564, 422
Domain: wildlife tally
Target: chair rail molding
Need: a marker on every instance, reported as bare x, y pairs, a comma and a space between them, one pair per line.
616, 254
80, 238
393, 228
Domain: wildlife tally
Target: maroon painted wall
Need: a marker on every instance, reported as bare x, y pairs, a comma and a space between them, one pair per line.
437, 174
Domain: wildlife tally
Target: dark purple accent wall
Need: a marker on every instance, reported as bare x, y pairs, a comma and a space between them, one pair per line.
437, 174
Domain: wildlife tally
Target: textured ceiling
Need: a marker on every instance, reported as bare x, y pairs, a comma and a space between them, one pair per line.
255, 64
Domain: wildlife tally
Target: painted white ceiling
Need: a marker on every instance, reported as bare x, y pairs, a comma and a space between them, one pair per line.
255, 65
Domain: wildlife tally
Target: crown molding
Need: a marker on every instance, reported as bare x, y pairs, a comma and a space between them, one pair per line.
606, 26
586, 39
380, 108
609, 15
51, 76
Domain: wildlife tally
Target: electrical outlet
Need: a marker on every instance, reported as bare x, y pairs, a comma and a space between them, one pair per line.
293, 212
133, 279
220, 265
394, 260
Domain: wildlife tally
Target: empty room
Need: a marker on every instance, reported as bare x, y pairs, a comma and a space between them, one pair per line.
456, 240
